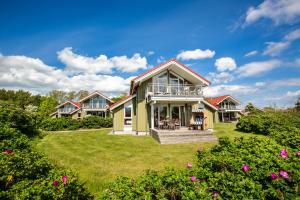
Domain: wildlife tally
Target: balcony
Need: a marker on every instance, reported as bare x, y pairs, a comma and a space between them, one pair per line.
168, 90
230, 107
95, 106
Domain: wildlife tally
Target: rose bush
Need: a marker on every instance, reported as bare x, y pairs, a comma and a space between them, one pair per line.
241, 169
25, 173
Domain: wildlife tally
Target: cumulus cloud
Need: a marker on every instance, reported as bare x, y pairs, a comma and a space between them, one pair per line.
255, 68
229, 89
293, 93
279, 11
225, 64
275, 48
196, 54
251, 53
32, 74
102, 64
222, 77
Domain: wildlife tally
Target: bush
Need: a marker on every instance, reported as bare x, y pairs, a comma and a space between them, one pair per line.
96, 122
230, 170
57, 124
283, 127
65, 123
25, 173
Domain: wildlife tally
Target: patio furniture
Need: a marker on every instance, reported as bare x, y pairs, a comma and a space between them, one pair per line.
177, 124
171, 125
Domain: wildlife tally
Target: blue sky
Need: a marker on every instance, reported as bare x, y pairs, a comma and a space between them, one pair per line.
103, 44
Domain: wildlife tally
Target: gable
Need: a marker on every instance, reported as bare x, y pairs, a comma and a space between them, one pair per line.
93, 94
175, 66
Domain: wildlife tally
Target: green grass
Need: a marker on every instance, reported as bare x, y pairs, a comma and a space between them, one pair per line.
99, 157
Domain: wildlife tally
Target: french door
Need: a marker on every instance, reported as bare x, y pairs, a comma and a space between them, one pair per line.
178, 114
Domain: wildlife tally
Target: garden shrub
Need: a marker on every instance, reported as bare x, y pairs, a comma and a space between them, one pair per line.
283, 127
26, 173
242, 169
66, 123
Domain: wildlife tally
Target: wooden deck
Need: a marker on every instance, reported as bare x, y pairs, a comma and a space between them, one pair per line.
182, 135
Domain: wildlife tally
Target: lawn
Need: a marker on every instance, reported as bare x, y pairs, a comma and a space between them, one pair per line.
99, 157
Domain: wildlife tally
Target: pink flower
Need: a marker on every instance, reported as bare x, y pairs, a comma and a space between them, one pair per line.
284, 174
55, 183
214, 195
8, 151
193, 178
246, 168
274, 176
298, 153
64, 179
284, 153
189, 165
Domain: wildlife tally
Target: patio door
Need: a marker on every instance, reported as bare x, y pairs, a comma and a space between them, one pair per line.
182, 116
160, 114
175, 113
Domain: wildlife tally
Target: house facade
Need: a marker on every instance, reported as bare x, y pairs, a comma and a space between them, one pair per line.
228, 108
95, 103
169, 95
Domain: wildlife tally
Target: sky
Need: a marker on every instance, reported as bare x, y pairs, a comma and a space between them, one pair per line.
249, 49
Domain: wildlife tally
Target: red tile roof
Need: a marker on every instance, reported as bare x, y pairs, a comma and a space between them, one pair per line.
75, 103
120, 101
179, 63
216, 100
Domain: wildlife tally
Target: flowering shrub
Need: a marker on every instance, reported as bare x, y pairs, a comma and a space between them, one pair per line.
25, 173
65, 123
283, 127
243, 169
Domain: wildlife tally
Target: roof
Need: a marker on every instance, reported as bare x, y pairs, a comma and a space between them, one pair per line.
121, 102
76, 104
162, 65
216, 100
93, 93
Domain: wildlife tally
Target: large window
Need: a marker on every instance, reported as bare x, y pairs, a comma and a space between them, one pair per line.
128, 113
96, 102
160, 83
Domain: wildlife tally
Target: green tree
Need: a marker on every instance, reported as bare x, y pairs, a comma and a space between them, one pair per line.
297, 104
47, 106
118, 98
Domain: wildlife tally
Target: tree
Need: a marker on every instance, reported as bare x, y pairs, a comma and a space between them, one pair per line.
81, 94
118, 98
297, 104
250, 107
58, 95
47, 106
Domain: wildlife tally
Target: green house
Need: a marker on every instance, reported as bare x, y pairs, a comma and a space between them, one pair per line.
169, 96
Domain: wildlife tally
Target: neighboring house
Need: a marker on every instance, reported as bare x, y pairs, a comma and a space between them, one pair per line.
227, 106
169, 93
95, 103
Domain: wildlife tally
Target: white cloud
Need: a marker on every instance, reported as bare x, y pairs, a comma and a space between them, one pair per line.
293, 93
229, 89
196, 54
279, 11
21, 72
251, 53
161, 59
222, 77
256, 68
260, 84
225, 63
102, 64
275, 48
294, 35
150, 53
132, 64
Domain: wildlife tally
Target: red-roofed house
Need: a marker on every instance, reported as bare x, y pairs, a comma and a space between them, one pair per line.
227, 107
95, 103
169, 96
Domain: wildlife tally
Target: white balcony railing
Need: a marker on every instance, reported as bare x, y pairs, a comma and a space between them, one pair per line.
94, 106
165, 90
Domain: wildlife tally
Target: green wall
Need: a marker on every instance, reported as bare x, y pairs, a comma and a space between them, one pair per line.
118, 120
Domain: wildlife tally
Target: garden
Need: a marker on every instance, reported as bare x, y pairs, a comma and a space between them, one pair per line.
257, 158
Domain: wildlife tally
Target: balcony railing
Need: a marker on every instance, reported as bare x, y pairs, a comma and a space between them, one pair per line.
168, 90
94, 106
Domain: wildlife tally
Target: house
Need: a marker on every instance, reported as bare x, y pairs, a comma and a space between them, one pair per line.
95, 103
227, 106
169, 95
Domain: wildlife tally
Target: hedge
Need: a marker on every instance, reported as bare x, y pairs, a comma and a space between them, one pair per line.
67, 123
242, 169
283, 127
